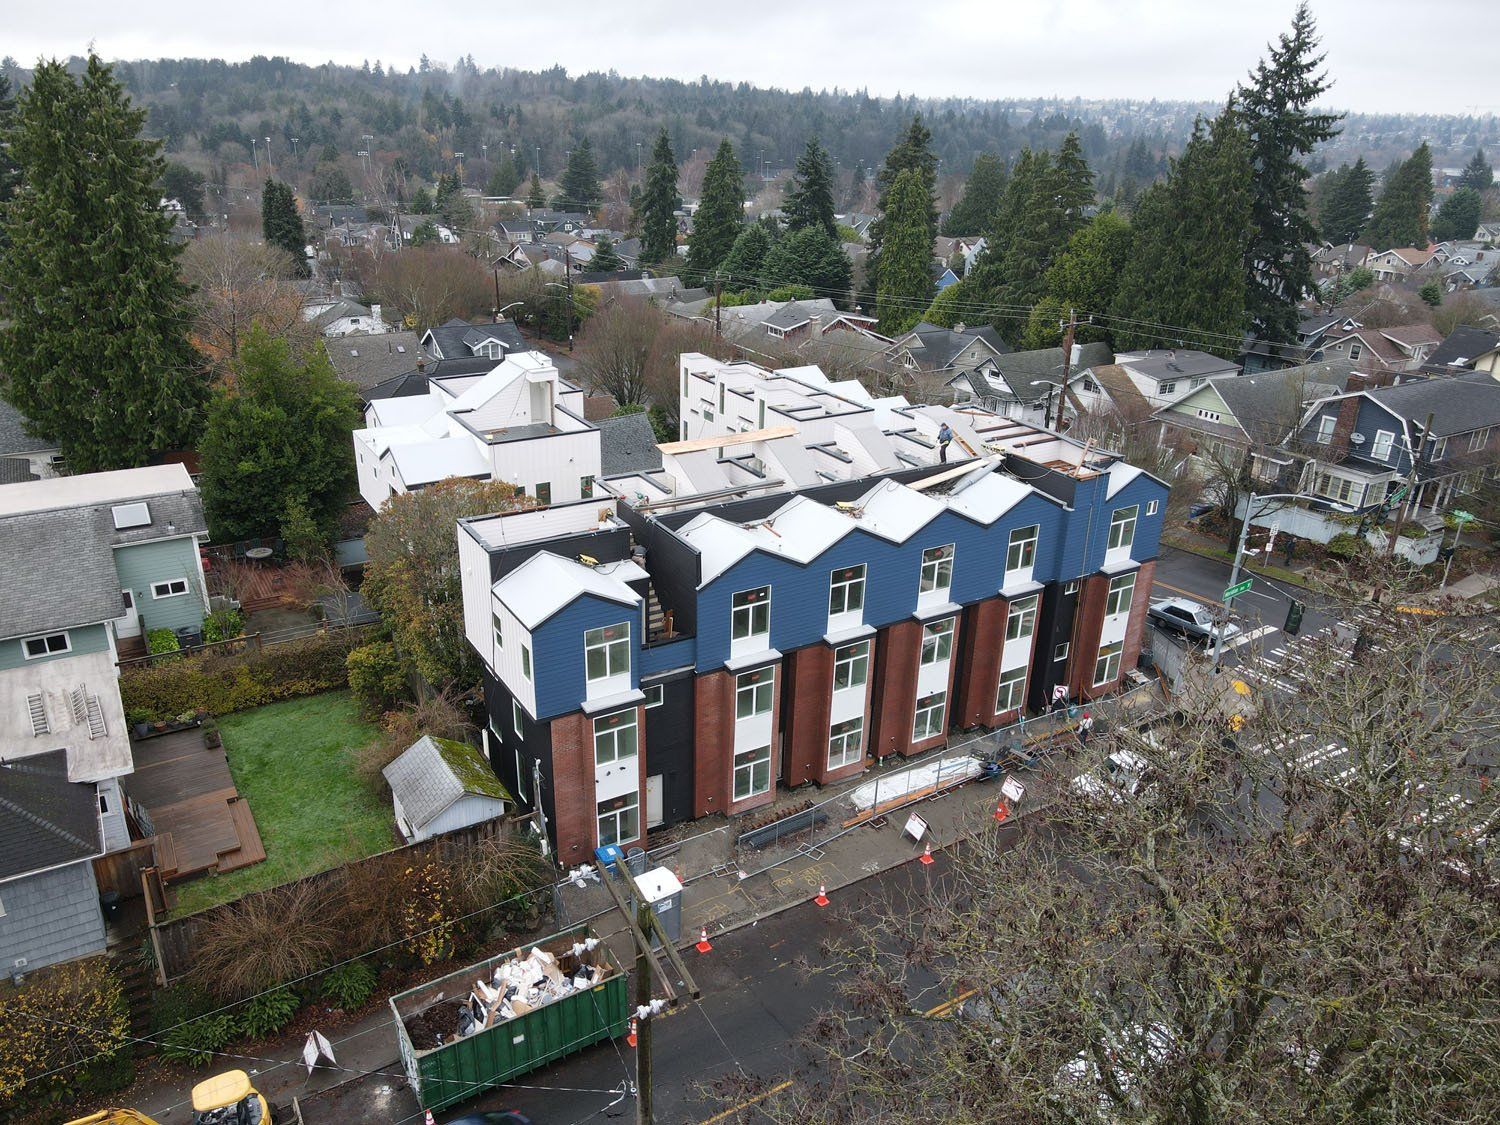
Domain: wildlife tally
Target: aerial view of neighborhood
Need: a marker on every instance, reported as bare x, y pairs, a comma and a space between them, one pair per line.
794, 566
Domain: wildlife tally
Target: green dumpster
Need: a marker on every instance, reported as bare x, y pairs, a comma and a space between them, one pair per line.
528, 1029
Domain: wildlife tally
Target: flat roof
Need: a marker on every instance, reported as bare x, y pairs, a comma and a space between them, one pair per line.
92, 488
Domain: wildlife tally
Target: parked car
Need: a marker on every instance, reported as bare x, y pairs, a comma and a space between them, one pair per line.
1191, 619
501, 1117
1119, 777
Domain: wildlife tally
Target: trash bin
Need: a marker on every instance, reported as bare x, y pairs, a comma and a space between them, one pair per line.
635, 861
109, 903
608, 855
662, 891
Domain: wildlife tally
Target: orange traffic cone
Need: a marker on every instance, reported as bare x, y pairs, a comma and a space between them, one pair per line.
822, 899
1001, 812
631, 1037
926, 856
703, 945
427, 1119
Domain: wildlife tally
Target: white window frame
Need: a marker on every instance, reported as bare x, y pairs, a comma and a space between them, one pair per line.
846, 591
1356, 348
656, 695
1060, 652
608, 748
517, 722
1010, 694
526, 661
937, 641
497, 629
747, 763
1108, 662
756, 606
1167, 388
47, 649
1479, 439
931, 716
1152, 507
627, 815
1440, 450
851, 660
846, 742
160, 591
936, 578
1120, 595
754, 693
1020, 619
1384, 443
1122, 528
1327, 423
1020, 550
611, 650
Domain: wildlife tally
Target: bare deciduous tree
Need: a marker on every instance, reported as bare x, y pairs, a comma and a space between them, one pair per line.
238, 284
426, 286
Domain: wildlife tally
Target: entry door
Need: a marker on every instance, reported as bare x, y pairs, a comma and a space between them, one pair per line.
129, 623
653, 801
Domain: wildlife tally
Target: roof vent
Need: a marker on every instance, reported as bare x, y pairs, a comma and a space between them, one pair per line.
131, 515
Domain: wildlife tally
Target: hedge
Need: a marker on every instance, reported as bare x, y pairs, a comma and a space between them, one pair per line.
221, 683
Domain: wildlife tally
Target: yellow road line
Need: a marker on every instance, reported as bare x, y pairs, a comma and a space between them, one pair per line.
732, 1110
1185, 593
948, 1005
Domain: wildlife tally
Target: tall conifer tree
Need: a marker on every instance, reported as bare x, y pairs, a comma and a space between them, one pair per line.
659, 203
809, 202
1347, 208
913, 152
281, 225
1477, 173
983, 190
579, 189
721, 212
97, 356
905, 286
1400, 217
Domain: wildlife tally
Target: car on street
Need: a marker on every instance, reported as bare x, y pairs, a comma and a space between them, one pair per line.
1192, 619
500, 1117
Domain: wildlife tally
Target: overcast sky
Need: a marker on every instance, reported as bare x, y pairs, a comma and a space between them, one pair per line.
1169, 49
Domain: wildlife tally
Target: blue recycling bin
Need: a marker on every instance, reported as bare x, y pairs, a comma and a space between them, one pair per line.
609, 855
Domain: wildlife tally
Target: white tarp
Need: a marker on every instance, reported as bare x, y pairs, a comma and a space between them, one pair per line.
940, 773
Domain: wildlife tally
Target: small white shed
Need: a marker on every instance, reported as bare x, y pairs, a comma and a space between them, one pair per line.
438, 785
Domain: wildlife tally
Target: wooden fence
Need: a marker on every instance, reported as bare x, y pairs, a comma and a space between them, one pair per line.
121, 871
175, 939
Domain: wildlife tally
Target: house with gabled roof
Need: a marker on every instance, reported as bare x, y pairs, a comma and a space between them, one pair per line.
1163, 375
1381, 353
1466, 348
458, 339
439, 785
1398, 263
934, 349
1026, 385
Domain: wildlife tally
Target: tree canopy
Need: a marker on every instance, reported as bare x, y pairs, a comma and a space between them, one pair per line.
1477, 174
579, 189
659, 203
1350, 198
912, 152
1400, 217
721, 212
606, 259
809, 199
812, 257
905, 286
281, 224
1459, 216
983, 190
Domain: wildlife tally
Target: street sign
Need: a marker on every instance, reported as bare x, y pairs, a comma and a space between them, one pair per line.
1238, 588
916, 827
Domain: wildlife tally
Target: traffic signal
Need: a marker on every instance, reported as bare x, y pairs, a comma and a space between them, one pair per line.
1293, 619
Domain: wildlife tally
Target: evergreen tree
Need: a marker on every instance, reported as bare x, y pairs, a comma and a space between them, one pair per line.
281, 225
1347, 208
1184, 284
1478, 174
809, 200
913, 152
659, 204
181, 183
812, 257
905, 286
746, 262
330, 184
983, 191
452, 204
1400, 217
97, 355
504, 178
278, 436
1274, 112
425, 234
1458, 217
534, 196
579, 187
10, 171
1074, 186
605, 259
1084, 279
721, 212
421, 202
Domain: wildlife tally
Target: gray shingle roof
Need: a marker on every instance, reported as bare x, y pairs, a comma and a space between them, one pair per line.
627, 444
13, 435
451, 339
368, 360
1458, 405
432, 773
1268, 404
45, 819
16, 470
59, 564
936, 346
1462, 345
1019, 369
1162, 365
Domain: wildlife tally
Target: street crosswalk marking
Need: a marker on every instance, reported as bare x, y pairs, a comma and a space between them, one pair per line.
1245, 638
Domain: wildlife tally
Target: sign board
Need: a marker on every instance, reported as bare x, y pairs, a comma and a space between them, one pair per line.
1238, 588
1013, 790
1461, 517
916, 827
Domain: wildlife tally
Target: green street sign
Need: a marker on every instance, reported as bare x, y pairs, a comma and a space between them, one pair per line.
1461, 517
1238, 588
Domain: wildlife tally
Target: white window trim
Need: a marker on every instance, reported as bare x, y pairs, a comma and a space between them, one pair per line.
632, 805
1022, 610
608, 646
941, 566
1009, 679
1327, 423
851, 588
940, 633
753, 685
751, 759
1025, 539
1389, 438
920, 731
516, 721
858, 656
656, 695
1152, 507
1109, 661
848, 754
1060, 652
47, 651
1118, 591
526, 661
610, 735
1125, 520
158, 587
749, 611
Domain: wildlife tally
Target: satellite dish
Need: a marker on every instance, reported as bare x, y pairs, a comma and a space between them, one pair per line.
1357, 439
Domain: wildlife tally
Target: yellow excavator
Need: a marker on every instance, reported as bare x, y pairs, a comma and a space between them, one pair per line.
224, 1099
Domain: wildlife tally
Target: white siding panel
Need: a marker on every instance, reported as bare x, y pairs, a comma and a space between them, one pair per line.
474, 577
561, 461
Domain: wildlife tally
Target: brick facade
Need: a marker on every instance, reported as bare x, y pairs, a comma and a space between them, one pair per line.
713, 747
808, 685
1084, 653
1135, 630
898, 651
573, 788
978, 660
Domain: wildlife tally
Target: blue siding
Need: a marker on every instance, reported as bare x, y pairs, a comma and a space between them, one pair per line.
667, 655
1370, 419
51, 917
557, 652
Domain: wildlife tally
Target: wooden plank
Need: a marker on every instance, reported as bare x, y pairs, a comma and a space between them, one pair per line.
950, 474
697, 445
250, 849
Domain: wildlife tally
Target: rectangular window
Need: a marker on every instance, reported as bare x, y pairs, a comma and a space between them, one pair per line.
1021, 554
50, 645
544, 493
619, 819
721, 398
1208, 415
517, 719
1020, 622
1440, 450
937, 570
752, 773
1071, 587
1355, 350
103, 804
1478, 440
526, 661
1060, 652
131, 515
655, 695
606, 652
931, 710
1122, 527
586, 487
1121, 592
846, 743
937, 641
614, 737
851, 665
1107, 667
752, 693
1167, 389
1012, 690
172, 588
499, 630
1381, 448
751, 615
1151, 507
846, 590
1325, 428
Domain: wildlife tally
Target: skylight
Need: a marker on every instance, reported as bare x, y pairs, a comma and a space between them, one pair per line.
131, 515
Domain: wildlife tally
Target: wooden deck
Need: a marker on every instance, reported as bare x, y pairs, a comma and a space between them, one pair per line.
201, 821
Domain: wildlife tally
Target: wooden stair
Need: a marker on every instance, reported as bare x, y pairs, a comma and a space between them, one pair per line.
130, 648
656, 618
137, 982
251, 849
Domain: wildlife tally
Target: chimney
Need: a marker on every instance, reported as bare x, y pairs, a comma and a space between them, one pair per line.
421, 363
375, 314
338, 288
959, 327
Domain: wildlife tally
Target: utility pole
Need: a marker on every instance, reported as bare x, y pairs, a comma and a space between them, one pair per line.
1069, 328
643, 1027
497, 294
568, 260
718, 296
1419, 454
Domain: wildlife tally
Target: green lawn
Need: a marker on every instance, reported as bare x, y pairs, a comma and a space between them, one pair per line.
293, 762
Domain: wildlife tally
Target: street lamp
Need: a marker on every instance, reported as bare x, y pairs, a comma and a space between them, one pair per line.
1239, 550
1047, 413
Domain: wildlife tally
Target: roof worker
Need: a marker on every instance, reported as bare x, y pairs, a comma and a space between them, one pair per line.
945, 438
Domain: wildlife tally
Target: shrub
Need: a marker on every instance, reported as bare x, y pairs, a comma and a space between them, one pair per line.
1431, 293
438, 715
195, 1042
223, 625
375, 676
349, 985
429, 911
264, 940
161, 641
84, 995
222, 682
1345, 545
497, 870
266, 1012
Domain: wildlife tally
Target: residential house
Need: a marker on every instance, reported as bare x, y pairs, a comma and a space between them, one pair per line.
438, 785
1469, 266
22, 456
517, 231
1399, 263
1105, 395
91, 563
1467, 348
366, 362
781, 320
936, 350
1488, 233
1163, 375
1382, 354
458, 339
859, 222
343, 317
1026, 385
777, 607
1331, 262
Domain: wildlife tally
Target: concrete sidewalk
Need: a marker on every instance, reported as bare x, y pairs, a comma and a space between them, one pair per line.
715, 896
